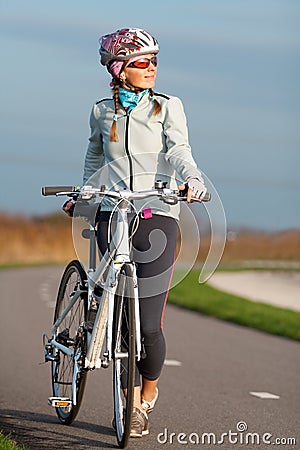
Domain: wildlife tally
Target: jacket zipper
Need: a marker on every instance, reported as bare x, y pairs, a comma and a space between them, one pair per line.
128, 153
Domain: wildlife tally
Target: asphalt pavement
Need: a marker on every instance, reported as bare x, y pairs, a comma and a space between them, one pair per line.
223, 385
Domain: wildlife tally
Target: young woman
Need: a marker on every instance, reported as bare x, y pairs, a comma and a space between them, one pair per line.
140, 136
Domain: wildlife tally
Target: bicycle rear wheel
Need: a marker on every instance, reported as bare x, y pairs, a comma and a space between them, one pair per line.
68, 373
124, 355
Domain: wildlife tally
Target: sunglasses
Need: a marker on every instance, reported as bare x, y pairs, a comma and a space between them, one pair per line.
143, 63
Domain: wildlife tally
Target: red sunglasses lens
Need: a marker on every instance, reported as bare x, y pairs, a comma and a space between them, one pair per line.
143, 63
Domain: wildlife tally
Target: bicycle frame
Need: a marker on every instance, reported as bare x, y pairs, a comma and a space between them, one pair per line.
111, 265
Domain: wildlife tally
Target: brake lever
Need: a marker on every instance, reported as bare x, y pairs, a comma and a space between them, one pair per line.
206, 198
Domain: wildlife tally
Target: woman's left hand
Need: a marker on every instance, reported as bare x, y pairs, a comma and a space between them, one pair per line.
194, 188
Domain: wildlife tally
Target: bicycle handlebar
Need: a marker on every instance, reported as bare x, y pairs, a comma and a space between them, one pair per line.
87, 192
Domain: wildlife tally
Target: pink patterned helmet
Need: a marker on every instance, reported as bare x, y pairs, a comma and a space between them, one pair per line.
125, 44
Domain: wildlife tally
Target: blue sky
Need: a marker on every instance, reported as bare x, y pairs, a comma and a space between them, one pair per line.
234, 64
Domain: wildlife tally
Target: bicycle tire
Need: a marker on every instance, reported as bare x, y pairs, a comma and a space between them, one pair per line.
73, 329
124, 341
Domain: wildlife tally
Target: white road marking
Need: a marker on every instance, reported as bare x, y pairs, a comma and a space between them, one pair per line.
264, 395
172, 363
47, 292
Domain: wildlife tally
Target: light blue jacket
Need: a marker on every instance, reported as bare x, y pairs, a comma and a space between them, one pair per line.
150, 147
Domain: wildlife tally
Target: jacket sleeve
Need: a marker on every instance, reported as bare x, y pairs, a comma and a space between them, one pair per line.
179, 152
94, 158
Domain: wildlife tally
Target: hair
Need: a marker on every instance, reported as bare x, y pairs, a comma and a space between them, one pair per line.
113, 131
117, 83
157, 106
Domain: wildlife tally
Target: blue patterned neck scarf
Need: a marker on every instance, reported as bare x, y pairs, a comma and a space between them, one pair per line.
130, 99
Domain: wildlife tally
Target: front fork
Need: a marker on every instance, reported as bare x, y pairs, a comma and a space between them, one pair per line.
111, 303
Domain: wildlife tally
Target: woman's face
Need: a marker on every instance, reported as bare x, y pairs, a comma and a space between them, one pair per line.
140, 78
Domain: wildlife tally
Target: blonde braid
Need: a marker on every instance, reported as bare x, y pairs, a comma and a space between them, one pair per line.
113, 131
157, 106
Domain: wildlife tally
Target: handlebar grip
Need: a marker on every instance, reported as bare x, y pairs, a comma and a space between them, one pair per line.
207, 197
53, 190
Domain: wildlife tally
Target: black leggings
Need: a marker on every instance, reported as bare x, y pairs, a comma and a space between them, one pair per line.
154, 245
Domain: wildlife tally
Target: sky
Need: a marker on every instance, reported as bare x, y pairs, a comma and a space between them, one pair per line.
234, 64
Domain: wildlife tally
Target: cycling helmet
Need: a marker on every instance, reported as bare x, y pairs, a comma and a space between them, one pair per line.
125, 44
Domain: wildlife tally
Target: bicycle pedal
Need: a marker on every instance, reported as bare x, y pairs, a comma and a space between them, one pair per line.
49, 356
62, 402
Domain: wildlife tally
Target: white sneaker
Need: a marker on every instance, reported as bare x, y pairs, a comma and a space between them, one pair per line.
139, 423
149, 406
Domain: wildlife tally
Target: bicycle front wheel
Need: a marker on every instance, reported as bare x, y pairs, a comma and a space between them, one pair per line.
124, 355
68, 373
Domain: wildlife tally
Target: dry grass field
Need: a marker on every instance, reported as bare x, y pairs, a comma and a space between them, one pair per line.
255, 245
48, 239
35, 240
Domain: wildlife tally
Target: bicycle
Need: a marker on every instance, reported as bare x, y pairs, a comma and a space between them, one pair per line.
96, 318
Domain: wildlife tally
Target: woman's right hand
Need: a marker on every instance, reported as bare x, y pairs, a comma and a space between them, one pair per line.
68, 207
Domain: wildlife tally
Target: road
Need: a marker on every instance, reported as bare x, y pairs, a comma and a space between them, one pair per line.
212, 367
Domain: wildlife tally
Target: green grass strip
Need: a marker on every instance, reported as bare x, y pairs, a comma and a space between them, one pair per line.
6, 443
212, 302
20, 265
